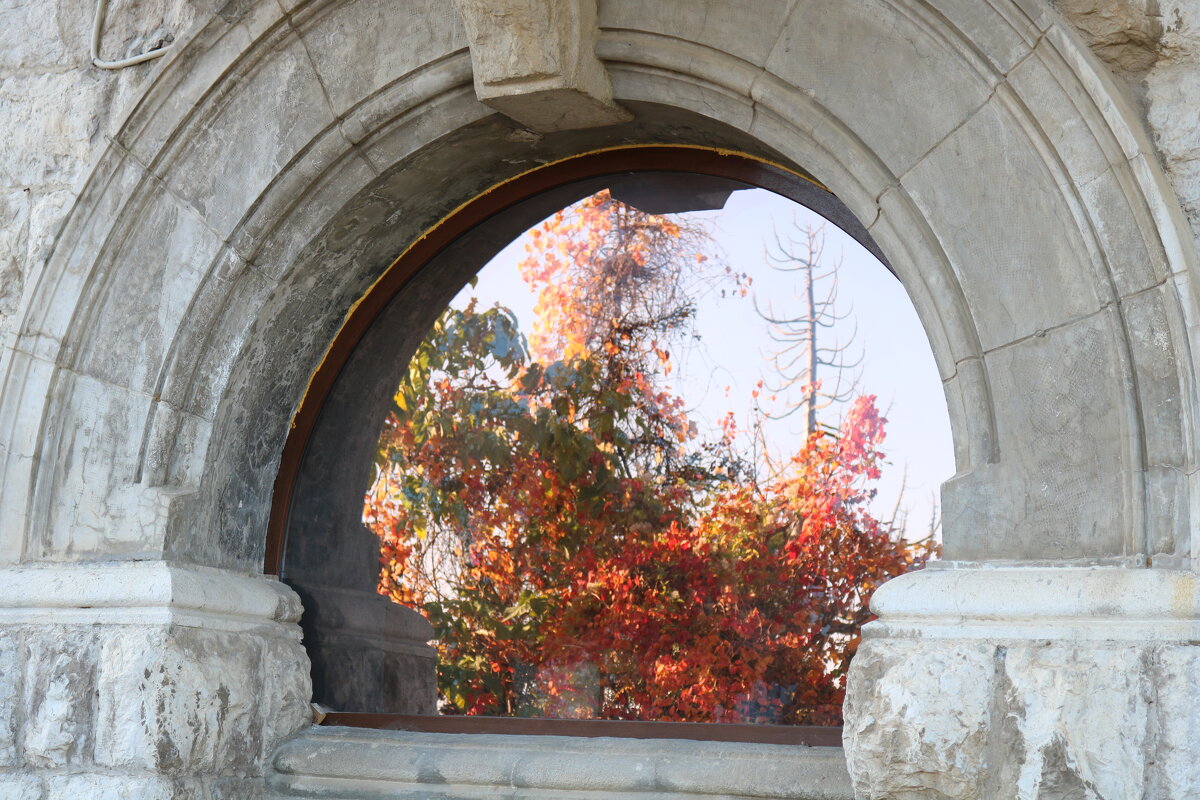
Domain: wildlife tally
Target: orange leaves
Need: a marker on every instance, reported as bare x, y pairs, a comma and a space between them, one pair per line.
577, 557
729, 624
861, 434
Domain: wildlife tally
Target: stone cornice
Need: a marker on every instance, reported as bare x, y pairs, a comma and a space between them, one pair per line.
143, 592
1094, 603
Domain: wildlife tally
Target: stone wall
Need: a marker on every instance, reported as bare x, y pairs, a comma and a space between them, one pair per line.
1153, 46
143, 680
62, 113
235, 197
1029, 683
57, 111
1172, 86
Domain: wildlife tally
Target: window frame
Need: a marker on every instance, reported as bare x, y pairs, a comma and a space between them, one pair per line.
753, 170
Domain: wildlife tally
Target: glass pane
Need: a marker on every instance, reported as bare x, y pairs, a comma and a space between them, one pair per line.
639, 468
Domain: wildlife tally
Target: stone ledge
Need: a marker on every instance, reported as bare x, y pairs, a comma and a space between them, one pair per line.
360, 763
143, 592
147, 670
1040, 603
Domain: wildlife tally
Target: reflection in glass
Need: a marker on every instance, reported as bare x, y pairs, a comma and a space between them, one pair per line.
590, 536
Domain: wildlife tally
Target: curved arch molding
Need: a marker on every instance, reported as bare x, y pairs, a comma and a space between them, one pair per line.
260, 185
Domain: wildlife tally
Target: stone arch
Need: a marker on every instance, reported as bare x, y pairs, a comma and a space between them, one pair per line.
284, 154
258, 184
316, 541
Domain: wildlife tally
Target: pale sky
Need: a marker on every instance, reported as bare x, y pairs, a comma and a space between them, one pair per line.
897, 365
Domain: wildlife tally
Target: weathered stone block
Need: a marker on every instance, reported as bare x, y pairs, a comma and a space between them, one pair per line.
1124, 33
1173, 115
114, 181
97, 509
51, 121
1008, 265
21, 786
98, 786
59, 692
14, 250
10, 696
1185, 174
1002, 33
1061, 499
19, 441
180, 700
929, 279
1059, 696
732, 109
287, 689
894, 57
1134, 263
924, 711
980, 720
746, 30
34, 35
1154, 321
1084, 685
220, 789
172, 254
1086, 149
48, 209
1173, 676
336, 41
255, 132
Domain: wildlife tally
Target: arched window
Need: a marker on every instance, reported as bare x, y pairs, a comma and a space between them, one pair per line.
591, 534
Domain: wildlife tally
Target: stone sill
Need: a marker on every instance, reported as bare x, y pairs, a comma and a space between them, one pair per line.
331, 762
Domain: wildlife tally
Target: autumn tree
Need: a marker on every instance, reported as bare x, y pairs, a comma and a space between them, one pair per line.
580, 550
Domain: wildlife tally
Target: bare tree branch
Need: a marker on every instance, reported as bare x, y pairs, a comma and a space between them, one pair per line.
804, 359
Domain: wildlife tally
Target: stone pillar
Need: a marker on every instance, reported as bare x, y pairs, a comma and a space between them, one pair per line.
141, 680
1030, 683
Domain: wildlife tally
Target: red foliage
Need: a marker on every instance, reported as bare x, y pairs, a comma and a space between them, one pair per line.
578, 553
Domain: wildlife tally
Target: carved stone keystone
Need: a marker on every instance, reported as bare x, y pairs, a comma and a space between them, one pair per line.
535, 61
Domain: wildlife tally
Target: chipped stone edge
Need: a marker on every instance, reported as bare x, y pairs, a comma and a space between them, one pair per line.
145, 592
